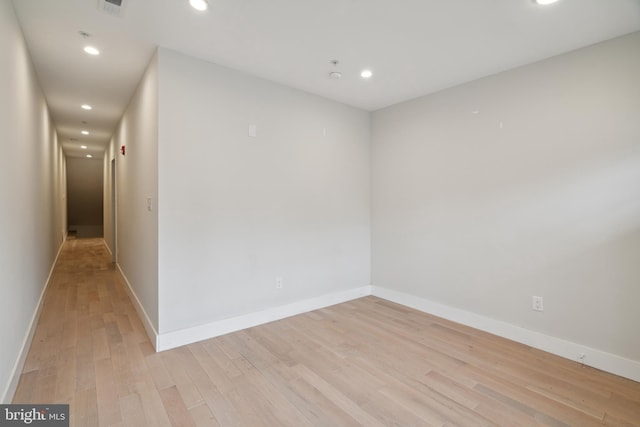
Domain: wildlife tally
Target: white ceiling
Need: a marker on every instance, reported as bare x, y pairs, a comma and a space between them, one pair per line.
414, 47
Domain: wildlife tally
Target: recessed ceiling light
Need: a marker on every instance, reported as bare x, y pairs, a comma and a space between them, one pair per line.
200, 5
86, 107
84, 147
91, 50
366, 74
544, 2
89, 156
85, 132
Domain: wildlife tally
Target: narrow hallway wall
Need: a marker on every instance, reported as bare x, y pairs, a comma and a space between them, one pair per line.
137, 190
84, 196
32, 183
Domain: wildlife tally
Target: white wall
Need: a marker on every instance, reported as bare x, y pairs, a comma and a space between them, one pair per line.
84, 196
137, 180
32, 182
107, 189
236, 212
481, 217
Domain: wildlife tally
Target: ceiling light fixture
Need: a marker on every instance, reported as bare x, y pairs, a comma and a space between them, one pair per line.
85, 132
200, 5
545, 2
366, 74
89, 156
86, 107
91, 50
84, 147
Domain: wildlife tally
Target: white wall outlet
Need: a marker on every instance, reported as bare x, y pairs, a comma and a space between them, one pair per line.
279, 282
537, 304
252, 131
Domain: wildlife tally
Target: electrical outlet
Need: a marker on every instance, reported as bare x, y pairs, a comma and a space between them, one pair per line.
279, 282
581, 357
537, 304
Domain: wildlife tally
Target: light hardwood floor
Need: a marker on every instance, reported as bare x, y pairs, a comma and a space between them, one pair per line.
367, 362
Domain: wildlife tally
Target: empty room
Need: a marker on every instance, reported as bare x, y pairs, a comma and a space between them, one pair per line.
303, 213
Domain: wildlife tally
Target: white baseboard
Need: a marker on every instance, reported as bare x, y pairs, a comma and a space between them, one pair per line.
142, 314
10, 390
107, 246
181, 337
595, 358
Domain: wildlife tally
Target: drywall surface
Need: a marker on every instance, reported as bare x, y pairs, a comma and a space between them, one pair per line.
237, 211
137, 183
108, 204
84, 194
520, 184
32, 183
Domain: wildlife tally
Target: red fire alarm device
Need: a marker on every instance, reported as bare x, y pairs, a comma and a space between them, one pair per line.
122, 150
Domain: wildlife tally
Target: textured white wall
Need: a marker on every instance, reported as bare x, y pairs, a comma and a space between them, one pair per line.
482, 217
32, 182
236, 212
137, 180
84, 191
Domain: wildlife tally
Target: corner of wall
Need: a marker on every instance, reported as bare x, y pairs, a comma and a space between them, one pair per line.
144, 317
593, 357
186, 336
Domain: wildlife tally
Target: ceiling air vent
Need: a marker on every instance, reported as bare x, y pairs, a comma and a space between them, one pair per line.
112, 7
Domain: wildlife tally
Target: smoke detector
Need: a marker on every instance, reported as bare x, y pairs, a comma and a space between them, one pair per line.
112, 7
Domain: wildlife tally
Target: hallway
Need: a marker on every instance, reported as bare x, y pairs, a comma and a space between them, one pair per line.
89, 348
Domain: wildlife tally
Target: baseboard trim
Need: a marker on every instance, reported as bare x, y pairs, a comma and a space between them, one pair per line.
181, 337
10, 390
142, 314
569, 350
107, 246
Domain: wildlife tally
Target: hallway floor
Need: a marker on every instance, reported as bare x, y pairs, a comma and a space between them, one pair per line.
366, 362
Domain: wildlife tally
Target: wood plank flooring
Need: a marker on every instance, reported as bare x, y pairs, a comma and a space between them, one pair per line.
367, 362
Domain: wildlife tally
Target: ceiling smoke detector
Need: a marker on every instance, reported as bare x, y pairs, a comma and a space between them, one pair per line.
112, 7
